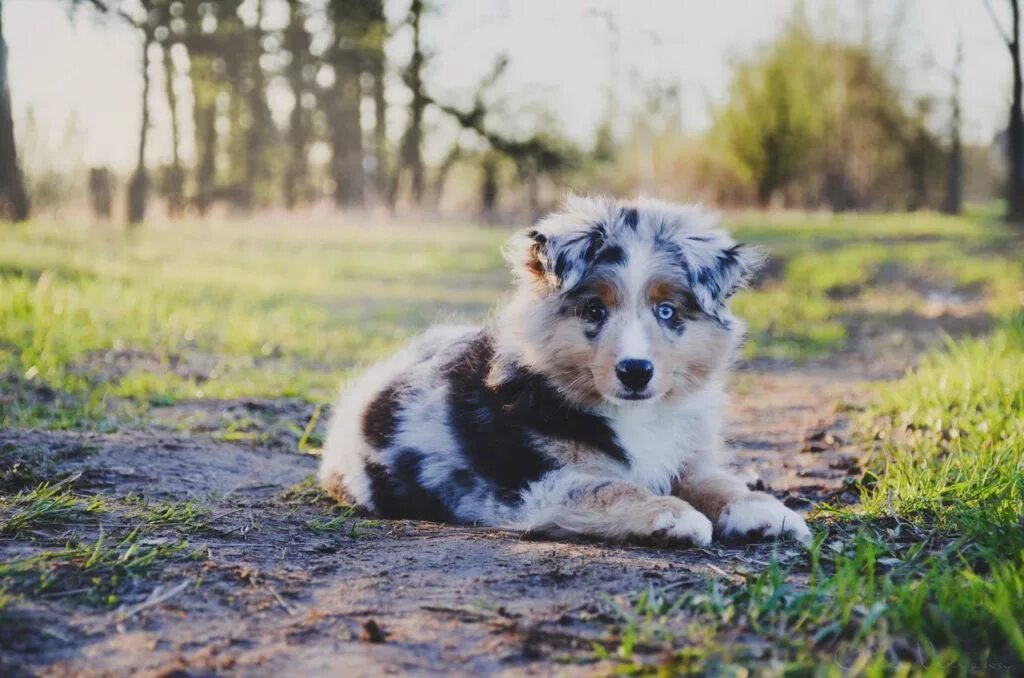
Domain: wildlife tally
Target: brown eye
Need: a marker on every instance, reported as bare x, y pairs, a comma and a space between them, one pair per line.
594, 311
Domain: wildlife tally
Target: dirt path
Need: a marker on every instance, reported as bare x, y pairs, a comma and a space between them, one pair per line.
262, 592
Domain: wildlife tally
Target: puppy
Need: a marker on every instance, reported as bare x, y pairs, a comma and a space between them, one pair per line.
592, 403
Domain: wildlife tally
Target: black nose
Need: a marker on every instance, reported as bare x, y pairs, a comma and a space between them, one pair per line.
634, 374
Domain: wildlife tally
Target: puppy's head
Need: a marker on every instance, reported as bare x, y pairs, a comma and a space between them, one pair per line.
626, 302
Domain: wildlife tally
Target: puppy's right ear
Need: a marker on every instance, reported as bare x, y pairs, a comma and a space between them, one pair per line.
555, 261
527, 253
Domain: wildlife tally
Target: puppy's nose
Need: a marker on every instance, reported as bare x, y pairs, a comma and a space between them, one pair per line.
634, 373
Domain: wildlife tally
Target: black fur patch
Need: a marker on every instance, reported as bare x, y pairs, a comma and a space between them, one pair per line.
493, 445
579, 251
534, 403
719, 281
612, 255
398, 493
663, 243
595, 243
630, 217
493, 425
380, 420
729, 261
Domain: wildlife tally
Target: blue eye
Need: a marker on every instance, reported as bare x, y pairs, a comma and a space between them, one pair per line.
665, 311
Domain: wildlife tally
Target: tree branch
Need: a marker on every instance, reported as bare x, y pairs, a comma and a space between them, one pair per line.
998, 26
103, 7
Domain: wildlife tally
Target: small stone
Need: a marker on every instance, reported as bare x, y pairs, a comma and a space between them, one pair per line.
372, 633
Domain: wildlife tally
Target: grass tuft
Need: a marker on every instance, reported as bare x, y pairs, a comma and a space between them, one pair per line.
94, 569
45, 506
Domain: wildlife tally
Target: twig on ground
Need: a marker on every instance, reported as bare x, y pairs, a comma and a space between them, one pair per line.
279, 599
159, 595
216, 518
722, 573
251, 486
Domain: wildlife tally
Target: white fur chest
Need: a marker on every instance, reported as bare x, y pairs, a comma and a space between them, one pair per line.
662, 438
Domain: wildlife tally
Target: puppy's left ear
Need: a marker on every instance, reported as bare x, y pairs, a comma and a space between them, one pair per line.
717, 275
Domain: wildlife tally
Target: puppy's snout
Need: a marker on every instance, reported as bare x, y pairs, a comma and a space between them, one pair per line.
633, 373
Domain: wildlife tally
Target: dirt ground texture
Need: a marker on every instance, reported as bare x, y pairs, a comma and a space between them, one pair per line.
267, 585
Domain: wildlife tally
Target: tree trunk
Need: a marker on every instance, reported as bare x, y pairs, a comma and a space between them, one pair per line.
378, 69
297, 43
453, 156
175, 179
411, 150
259, 115
489, 187
533, 194
204, 121
206, 152
350, 28
346, 132
1015, 189
13, 198
953, 202
101, 192
770, 181
138, 188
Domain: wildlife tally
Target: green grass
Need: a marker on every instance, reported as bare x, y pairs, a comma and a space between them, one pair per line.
96, 570
134, 536
957, 430
113, 324
836, 268
45, 506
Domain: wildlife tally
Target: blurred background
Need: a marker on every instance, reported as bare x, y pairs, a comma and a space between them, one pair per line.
134, 110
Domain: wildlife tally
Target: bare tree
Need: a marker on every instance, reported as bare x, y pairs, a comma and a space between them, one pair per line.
536, 155
953, 202
138, 187
349, 17
101, 192
260, 123
206, 83
410, 154
1015, 131
376, 65
13, 198
174, 181
296, 42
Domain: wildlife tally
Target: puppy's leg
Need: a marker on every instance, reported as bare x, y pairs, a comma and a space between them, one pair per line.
738, 513
615, 510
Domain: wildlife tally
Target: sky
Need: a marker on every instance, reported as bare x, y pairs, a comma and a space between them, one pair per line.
81, 74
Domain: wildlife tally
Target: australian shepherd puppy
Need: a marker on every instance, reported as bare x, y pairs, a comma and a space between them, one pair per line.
591, 405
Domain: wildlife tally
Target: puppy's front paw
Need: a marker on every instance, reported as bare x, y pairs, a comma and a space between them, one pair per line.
681, 524
757, 516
